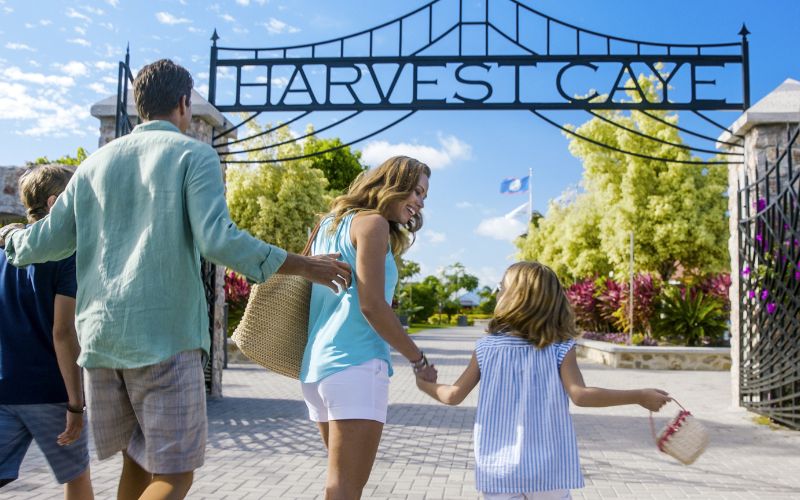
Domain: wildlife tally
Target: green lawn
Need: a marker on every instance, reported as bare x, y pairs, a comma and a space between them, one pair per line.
418, 327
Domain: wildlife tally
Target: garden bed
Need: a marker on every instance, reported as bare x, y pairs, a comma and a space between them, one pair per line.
654, 357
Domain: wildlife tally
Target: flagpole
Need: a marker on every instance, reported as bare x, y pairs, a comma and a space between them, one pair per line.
530, 195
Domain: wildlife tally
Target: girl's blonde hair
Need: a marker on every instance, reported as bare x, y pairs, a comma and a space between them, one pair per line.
534, 306
39, 183
374, 191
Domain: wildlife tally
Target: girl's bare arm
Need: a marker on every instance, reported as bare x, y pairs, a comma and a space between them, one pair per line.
571, 377
453, 394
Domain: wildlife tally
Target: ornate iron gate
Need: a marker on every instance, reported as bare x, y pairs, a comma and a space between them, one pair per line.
769, 256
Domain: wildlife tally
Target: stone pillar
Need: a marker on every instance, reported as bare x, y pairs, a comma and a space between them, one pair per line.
207, 122
764, 128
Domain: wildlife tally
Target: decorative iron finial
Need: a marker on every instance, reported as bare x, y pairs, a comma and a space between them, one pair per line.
215, 37
744, 31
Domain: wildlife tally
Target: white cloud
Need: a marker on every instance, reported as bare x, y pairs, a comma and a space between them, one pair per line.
489, 276
451, 149
434, 237
17, 75
73, 68
261, 2
80, 41
93, 10
113, 3
62, 121
105, 65
228, 17
45, 22
19, 46
505, 228
277, 27
80, 30
99, 88
243, 2
167, 18
77, 15
192, 29
240, 31
464, 204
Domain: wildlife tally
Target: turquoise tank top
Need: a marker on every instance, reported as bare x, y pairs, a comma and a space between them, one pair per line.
338, 334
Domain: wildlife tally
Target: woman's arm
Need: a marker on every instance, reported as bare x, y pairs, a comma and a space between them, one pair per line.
370, 235
453, 394
65, 342
652, 399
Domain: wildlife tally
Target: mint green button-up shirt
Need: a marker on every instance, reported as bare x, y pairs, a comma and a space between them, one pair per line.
139, 213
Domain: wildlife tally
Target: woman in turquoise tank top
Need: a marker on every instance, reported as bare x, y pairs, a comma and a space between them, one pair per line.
346, 364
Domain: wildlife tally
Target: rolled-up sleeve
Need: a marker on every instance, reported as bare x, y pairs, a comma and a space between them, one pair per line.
50, 239
216, 236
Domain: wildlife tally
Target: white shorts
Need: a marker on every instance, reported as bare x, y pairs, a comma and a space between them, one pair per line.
357, 392
534, 495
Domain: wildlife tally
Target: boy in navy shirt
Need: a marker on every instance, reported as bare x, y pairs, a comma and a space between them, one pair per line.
41, 394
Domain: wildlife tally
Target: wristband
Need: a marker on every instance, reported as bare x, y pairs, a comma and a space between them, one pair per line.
420, 364
79, 410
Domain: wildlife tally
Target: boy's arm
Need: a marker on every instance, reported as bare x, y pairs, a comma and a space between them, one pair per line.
50, 239
65, 342
456, 393
572, 379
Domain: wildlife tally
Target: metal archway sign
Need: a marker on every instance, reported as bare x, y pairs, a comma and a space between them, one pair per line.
512, 57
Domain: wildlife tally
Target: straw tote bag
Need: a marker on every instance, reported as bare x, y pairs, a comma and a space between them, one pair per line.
684, 437
274, 328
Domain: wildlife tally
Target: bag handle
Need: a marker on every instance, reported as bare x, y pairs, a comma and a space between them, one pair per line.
653, 427
307, 249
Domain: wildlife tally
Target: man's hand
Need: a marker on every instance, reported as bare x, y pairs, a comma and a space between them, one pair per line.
428, 374
73, 430
6, 230
327, 270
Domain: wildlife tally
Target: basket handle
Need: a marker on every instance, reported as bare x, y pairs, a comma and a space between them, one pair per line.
307, 249
653, 426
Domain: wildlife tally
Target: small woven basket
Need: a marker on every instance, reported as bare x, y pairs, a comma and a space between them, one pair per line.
684, 437
274, 328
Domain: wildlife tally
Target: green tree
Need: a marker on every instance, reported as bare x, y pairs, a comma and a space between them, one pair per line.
276, 202
455, 280
76, 160
340, 166
676, 211
488, 300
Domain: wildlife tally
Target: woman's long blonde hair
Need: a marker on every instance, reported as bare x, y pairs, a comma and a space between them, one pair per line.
534, 306
374, 191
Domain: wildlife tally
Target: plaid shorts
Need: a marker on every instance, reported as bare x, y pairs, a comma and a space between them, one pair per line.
20, 424
156, 413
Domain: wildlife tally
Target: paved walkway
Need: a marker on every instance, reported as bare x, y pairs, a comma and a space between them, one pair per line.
261, 445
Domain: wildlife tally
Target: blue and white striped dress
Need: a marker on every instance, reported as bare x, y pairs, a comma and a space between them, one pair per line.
524, 438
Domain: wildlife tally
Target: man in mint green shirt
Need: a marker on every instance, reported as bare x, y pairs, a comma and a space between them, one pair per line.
139, 214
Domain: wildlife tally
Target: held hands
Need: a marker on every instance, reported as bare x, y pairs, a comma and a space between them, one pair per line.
6, 230
427, 374
653, 399
73, 430
327, 270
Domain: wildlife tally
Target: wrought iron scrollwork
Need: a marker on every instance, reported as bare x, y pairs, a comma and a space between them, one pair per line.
769, 260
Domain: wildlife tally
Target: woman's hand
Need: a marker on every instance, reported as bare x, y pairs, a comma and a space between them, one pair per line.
428, 374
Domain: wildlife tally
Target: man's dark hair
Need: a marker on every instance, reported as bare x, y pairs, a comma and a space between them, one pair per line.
158, 88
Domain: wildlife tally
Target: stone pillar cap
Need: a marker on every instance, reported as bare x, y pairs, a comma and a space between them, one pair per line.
201, 108
782, 105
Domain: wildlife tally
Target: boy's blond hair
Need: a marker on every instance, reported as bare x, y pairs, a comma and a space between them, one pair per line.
534, 306
39, 183
376, 189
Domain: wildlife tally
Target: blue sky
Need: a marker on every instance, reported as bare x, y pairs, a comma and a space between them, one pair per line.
59, 57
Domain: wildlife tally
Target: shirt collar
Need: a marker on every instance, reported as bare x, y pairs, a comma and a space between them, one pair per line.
155, 125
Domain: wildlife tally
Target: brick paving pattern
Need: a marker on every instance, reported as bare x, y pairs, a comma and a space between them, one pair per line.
262, 446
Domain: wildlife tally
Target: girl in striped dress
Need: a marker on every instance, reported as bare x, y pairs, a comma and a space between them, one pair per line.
525, 445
